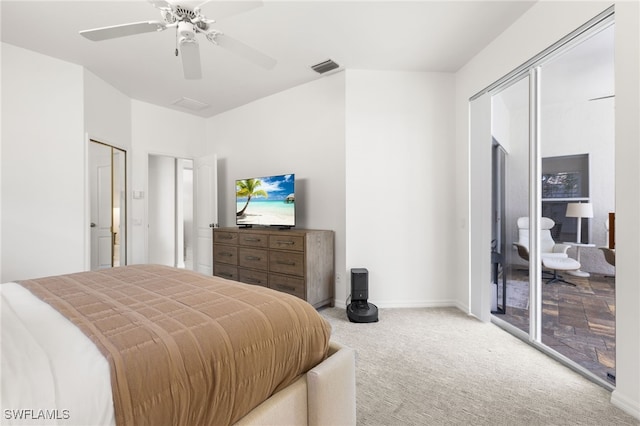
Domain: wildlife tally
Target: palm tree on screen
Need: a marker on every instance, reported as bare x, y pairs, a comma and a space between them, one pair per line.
249, 188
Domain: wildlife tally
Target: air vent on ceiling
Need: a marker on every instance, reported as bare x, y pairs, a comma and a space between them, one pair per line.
191, 104
325, 66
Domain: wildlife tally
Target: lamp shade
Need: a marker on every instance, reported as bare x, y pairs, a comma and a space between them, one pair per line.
579, 210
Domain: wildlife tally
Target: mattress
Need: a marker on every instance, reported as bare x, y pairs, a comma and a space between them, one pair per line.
159, 345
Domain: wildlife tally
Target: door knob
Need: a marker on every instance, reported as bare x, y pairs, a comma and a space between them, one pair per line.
93, 225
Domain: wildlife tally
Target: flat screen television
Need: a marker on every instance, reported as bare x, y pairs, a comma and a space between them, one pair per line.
266, 201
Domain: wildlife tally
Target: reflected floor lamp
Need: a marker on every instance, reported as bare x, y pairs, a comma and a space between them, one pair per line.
579, 211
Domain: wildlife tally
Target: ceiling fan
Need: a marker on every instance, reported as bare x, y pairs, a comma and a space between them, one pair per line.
189, 22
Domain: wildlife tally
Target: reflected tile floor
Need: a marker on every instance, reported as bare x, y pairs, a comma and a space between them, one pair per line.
578, 322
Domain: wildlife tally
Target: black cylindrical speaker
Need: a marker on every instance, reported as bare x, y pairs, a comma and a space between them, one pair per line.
359, 284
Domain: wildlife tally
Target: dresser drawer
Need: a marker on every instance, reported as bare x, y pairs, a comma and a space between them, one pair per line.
286, 242
224, 237
285, 262
249, 276
253, 240
225, 254
296, 261
286, 284
225, 271
253, 258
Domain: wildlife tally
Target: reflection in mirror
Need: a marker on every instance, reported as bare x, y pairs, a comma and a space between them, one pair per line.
510, 131
578, 192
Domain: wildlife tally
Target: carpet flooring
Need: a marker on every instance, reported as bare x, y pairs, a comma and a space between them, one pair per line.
439, 366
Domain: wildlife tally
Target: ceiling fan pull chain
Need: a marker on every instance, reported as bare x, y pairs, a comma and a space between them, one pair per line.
176, 41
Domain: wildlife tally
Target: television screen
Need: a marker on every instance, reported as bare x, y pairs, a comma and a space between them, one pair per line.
266, 201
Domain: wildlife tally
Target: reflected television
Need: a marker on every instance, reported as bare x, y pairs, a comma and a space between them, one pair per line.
266, 201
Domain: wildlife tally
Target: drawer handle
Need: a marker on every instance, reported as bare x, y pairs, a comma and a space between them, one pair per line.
254, 281
253, 240
225, 237
252, 258
225, 253
286, 262
286, 287
286, 243
225, 274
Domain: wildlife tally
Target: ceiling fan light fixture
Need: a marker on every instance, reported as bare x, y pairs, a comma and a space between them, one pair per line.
186, 31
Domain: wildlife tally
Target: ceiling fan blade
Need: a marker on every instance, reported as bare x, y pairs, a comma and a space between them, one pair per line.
247, 52
106, 33
191, 60
603, 97
217, 9
160, 4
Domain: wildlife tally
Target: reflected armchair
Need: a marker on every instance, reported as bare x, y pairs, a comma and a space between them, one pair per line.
609, 252
552, 255
609, 255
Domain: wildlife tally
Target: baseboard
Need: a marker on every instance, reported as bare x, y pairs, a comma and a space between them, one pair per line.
625, 404
414, 303
411, 304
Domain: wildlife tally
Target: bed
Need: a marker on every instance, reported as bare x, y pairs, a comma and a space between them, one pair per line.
150, 344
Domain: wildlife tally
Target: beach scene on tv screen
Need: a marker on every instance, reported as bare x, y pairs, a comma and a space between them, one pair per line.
266, 201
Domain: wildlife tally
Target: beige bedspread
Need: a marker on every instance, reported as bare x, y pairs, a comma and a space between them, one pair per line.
185, 348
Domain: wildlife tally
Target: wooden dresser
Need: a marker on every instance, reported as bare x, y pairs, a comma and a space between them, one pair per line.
295, 261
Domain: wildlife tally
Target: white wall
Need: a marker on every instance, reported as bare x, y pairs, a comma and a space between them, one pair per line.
54, 106
157, 130
627, 393
301, 131
384, 157
399, 185
520, 42
43, 166
107, 112
107, 119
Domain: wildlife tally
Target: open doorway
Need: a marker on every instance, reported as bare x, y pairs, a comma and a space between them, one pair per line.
108, 207
170, 208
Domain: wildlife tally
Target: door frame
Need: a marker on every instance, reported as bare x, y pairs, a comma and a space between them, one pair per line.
201, 239
479, 234
177, 201
124, 259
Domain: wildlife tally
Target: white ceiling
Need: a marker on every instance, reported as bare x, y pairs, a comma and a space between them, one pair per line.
577, 73
438, 36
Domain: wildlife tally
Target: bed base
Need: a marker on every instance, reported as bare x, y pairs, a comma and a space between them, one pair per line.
326, 395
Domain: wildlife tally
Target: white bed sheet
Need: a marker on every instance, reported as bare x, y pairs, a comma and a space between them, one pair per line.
52, 374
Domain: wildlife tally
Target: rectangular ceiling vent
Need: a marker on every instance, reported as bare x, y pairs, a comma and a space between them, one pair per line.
190, 104
325, 66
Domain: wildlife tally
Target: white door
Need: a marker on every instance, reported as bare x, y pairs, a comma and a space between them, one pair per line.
101, 192
206, 212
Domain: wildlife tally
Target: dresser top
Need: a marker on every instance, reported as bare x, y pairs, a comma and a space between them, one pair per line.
267, 230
